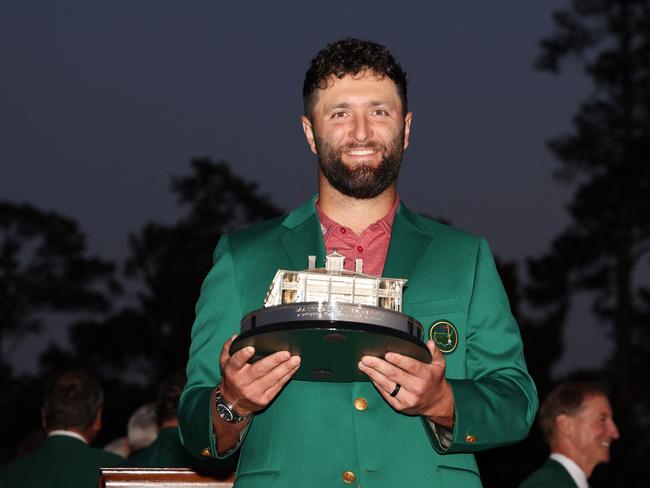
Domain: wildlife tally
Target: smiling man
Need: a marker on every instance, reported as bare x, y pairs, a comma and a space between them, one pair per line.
576, 420
413, 423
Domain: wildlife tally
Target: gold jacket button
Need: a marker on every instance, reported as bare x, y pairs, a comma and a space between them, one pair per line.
349, 477
361, 403
206, 452
471, 439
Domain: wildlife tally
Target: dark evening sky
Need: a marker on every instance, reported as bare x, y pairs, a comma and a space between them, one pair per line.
101, 102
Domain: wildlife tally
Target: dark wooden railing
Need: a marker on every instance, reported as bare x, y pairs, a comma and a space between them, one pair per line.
164, 478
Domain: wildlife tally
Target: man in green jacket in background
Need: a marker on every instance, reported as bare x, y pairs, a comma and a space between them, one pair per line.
72, 417
577, 423
167, 451
414, 423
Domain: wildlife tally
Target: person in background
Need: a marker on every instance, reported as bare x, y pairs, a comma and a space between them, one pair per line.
72, 417
141, 431
167, 450
576, 421
142, 428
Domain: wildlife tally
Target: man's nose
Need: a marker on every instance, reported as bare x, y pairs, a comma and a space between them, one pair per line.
361, 130
613, 430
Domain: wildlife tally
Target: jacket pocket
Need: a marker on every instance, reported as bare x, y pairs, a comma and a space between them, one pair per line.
444, 321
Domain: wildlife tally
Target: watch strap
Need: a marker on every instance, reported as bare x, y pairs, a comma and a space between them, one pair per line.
227, 410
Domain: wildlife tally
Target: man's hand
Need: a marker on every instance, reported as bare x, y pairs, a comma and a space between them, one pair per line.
423, 387
251, 387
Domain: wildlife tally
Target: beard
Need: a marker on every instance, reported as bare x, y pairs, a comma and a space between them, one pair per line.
364, 180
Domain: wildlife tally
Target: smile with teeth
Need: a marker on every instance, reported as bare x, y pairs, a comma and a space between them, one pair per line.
361, 152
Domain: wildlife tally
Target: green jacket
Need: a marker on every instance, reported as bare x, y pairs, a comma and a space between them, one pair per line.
61, 462
551, 475
312, 433
168, 452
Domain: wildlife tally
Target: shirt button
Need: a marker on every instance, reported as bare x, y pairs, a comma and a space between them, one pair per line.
349, 477
343, 231
361, 403
360, 248
206, 452
471, 439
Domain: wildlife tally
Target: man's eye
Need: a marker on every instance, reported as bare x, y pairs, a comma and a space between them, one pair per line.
381, 112
339, 115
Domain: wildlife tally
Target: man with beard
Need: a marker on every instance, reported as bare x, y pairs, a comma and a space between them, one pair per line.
576, 420
413, 423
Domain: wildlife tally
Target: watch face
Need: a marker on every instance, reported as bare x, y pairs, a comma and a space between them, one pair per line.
224, 412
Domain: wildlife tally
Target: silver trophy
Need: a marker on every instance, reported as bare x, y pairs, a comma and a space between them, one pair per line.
331, 317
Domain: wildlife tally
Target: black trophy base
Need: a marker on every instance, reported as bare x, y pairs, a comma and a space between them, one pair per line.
329, 344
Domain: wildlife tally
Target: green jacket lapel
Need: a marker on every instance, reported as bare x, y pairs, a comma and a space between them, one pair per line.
407, 245
303, 236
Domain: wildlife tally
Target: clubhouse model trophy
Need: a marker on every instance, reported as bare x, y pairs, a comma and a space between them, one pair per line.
331, 317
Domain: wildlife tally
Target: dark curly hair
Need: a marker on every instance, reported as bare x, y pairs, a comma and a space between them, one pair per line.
566, 398
350, 57
72, 400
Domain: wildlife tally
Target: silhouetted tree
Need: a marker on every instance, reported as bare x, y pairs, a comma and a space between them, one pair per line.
173, 261
150, 338
44, 270
132, 349
606, 158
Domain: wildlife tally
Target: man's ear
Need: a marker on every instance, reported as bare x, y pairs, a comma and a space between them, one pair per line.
407, 128
309, 133
97, 423
564, 425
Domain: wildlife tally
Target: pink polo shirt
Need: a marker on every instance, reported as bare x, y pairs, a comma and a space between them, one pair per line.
371, 245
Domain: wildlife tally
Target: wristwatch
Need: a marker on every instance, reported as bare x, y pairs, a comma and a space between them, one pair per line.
226, 410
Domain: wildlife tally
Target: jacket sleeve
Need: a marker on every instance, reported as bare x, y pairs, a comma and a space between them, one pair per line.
496, 403
218, 314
